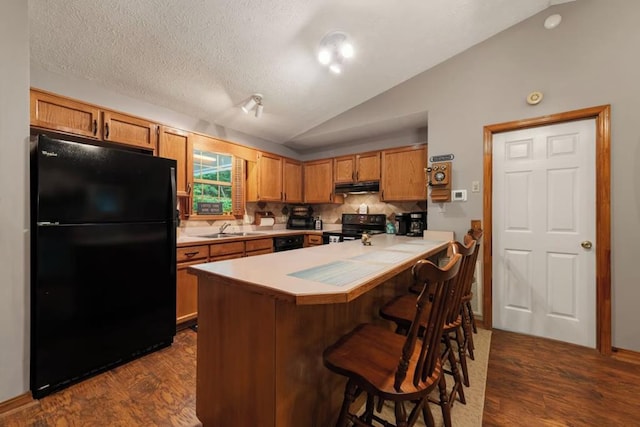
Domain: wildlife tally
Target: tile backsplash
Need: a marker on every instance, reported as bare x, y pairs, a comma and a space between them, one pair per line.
330, 213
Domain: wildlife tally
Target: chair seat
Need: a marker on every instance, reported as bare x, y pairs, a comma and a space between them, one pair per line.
370, 353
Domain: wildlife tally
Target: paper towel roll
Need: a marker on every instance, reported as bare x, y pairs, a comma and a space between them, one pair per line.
266, 222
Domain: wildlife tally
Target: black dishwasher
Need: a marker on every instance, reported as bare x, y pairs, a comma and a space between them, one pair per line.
286, 243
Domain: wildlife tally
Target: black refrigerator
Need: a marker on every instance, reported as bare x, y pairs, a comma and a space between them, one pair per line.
103, 259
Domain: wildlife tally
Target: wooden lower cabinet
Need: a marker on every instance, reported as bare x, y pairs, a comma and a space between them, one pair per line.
186, 294
222, 251
186, 285
258, 247
312, 240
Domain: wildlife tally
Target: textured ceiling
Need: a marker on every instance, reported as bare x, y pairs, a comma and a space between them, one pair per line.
204, 58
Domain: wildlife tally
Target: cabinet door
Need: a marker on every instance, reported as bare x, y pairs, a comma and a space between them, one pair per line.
129, 130
175, 144
318, 181
292, 181
368, 166
258, 247
186, 293
58, 113
403, 174
344, 169
269, 177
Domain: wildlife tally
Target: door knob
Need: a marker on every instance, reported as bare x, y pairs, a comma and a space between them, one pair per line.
586, 244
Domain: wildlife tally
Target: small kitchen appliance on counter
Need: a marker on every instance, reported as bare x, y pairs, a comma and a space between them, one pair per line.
418, 224
354, 225
403, 220
301, 218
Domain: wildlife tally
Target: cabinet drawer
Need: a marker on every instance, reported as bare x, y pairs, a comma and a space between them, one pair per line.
190, 253
258, 244
315, 239
260, 252
226, 248
227, 256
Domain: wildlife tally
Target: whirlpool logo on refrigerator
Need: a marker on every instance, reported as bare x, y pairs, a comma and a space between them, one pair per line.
49, 153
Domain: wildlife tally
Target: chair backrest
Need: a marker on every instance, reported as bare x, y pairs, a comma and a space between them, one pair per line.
431, 308
467, 265
468, 281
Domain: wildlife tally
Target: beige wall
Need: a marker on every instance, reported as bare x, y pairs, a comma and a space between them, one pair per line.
590, 59
14, 132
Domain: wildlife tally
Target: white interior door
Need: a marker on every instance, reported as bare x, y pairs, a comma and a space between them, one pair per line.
543, 226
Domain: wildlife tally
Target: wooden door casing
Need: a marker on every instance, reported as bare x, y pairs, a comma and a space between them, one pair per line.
602, 115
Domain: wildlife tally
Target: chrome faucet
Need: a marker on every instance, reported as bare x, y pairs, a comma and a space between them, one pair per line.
224, 227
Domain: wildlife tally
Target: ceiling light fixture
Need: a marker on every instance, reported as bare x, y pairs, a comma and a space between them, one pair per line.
255, 101
334, 49
552, 21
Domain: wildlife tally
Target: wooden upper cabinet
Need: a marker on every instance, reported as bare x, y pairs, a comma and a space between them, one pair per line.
357, 168
344, 169
403, 174
264, 178
269, 177
292, 181
129, 130
65, 115
318, 181
368, 166
176, 144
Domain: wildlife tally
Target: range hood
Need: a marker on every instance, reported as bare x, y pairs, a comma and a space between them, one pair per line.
358, 187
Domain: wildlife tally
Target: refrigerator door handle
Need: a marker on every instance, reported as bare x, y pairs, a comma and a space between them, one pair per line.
174, 202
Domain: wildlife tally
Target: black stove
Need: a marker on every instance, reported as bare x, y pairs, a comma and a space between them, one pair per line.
354, 225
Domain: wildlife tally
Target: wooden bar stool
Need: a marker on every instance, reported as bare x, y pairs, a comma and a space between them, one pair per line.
390, 367
400, 309
468, 320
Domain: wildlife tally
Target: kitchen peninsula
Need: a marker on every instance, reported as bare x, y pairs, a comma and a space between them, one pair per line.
264, 322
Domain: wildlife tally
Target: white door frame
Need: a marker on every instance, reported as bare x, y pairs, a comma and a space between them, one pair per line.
602, 116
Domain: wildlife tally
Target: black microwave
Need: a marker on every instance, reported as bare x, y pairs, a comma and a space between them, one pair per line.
300, 223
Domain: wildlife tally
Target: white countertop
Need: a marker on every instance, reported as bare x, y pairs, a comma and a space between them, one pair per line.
308, 275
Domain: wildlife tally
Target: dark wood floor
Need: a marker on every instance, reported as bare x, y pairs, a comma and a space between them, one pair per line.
539, 382
530, 382
158, 389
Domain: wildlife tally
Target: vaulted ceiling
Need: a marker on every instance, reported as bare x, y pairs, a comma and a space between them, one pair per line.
205, 58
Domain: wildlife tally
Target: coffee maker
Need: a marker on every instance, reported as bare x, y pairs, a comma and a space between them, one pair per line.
402, 223
417, 224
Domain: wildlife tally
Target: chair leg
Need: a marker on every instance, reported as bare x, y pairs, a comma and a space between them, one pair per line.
462, 355
473, 319
427, 415
401, 414
455, 372
444, 402
468, 335
349, 397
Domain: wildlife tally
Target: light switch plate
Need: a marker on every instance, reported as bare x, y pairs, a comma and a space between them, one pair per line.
475, 186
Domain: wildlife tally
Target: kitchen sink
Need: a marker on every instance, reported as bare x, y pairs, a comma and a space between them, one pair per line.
223, 235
